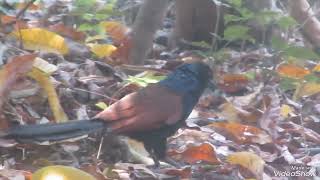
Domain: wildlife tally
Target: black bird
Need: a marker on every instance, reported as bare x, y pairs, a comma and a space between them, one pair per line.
149, 115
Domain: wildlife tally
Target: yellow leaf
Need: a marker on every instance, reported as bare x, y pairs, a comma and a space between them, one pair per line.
41, 39
95, 38
285, 110
101, 105
44, 66
61, 173
306, 89
102, 50
45, 83
317, 68
248, 160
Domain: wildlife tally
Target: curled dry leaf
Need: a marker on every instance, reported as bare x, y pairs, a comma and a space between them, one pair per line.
117, 31
120, 35
242, 134
193, 154
292, 71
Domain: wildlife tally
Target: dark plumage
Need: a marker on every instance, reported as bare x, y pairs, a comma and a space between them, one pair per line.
149, 115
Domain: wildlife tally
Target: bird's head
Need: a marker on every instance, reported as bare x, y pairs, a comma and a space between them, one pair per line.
189, 78
199, 70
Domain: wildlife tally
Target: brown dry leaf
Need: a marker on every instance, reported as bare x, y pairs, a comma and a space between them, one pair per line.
120, 35
248, 160
32, 7
205, 152
41, 39
232, 83
10, 73
12, 174
272, 114
236, 114
306, 89
292, 71
10, 23
242, 133
117, 31
67, 32
303, 131
184, 173
19, 24
121, 55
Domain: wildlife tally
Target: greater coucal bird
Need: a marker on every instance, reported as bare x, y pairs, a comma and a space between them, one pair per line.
149, 115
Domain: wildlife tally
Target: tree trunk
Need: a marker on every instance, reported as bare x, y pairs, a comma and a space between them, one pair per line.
149, 19
300, 10
196, 20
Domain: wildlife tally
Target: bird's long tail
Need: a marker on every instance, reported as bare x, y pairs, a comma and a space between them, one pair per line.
53, 132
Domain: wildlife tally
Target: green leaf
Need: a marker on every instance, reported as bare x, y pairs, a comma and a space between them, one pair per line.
300, 52
145, 80
85, 27
286, 22
232, 18
312, 78
278, 43
201, 44
265, 17
236, 32
236, 3
287, 84
101, 105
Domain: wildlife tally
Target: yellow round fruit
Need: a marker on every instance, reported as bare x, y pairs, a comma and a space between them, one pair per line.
61, 173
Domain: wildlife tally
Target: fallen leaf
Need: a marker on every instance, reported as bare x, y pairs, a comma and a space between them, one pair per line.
67, 31
44, 80
101, 105
232, 83
286, 110
19, 24
32, 7
117, 31
184, 173
316, 68
61, 172
102, 50
306, 89
10, 73
292, 71
242, 133
248, 160
205, 152
41, 39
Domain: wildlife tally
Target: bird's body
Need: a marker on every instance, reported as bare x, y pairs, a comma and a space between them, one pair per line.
157, 111
149, 115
